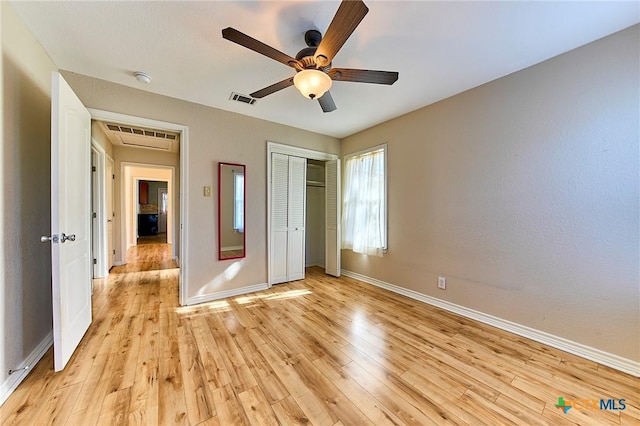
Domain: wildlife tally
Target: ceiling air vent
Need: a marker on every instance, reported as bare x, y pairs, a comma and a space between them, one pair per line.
142, 132
242, 98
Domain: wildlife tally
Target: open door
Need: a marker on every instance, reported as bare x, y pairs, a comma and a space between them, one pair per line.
70, 220
332, 218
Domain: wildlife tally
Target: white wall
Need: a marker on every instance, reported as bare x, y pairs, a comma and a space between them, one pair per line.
523, 192
25, 263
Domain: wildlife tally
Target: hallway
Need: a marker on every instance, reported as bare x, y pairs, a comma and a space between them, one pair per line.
146, 256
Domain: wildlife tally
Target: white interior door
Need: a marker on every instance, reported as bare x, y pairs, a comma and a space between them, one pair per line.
297, 218
70, 220
332, 217
111, 214
288, 192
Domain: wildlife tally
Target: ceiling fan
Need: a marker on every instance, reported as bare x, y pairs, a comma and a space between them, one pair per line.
314, 73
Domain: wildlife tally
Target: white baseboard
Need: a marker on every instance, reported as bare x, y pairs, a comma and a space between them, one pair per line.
611, 360
119, 263
226, 293
32, 359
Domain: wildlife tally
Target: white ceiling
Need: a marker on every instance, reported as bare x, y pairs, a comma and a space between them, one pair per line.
439, 49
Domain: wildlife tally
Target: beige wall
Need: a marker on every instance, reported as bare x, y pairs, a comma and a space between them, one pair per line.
524, 193
101, 138
214, 135
25, 263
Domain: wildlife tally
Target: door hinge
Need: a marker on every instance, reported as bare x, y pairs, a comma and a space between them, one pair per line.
113, 176
94, 215
114, 251
93, 168
95, 261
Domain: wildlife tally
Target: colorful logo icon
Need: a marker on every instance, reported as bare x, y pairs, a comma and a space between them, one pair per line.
562, 405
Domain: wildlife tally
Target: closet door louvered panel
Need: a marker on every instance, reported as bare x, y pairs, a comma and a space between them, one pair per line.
279, 217
296, 215
332, 218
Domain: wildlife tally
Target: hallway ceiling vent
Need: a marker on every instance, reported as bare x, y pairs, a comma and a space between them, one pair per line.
141, 137
142, 132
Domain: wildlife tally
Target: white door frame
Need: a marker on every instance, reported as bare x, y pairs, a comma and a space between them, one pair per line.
274, 147
100, 254
181, 195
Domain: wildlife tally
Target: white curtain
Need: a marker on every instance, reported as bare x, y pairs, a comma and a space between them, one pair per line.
363, 224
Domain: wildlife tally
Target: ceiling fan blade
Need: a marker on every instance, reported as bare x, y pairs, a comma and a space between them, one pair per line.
326, 102
347, 18
242, 39
363, 76
273, 88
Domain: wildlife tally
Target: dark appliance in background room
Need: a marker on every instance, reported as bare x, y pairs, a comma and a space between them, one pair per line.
147, 224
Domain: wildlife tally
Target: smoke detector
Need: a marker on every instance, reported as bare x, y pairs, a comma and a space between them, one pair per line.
142, 77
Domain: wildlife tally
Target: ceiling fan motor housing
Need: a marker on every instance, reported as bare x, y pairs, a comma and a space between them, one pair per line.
312, 38
307, 55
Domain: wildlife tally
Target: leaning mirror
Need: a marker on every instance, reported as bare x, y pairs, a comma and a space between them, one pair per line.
231, 211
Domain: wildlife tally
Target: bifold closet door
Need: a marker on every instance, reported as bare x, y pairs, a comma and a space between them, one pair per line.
279, 217
297, 217
288, 195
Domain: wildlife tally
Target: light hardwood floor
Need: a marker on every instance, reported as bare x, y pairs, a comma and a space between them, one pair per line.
320, 351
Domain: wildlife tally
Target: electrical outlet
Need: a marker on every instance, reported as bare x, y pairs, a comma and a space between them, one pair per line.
442, 283
207, 191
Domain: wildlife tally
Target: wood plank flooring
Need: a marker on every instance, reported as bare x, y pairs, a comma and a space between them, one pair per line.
320, 351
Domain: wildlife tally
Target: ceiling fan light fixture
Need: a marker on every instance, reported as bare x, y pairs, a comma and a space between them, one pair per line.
312, 83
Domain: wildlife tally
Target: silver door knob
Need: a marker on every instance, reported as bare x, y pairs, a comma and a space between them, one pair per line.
64, 237
45, 239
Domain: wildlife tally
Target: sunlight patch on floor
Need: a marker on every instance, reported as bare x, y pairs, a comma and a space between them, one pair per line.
204, 308
289, 294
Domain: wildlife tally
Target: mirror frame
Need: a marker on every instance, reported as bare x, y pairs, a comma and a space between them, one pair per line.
244, 206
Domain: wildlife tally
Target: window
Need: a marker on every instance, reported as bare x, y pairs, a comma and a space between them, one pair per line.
164, 201
364, 210
238, 201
